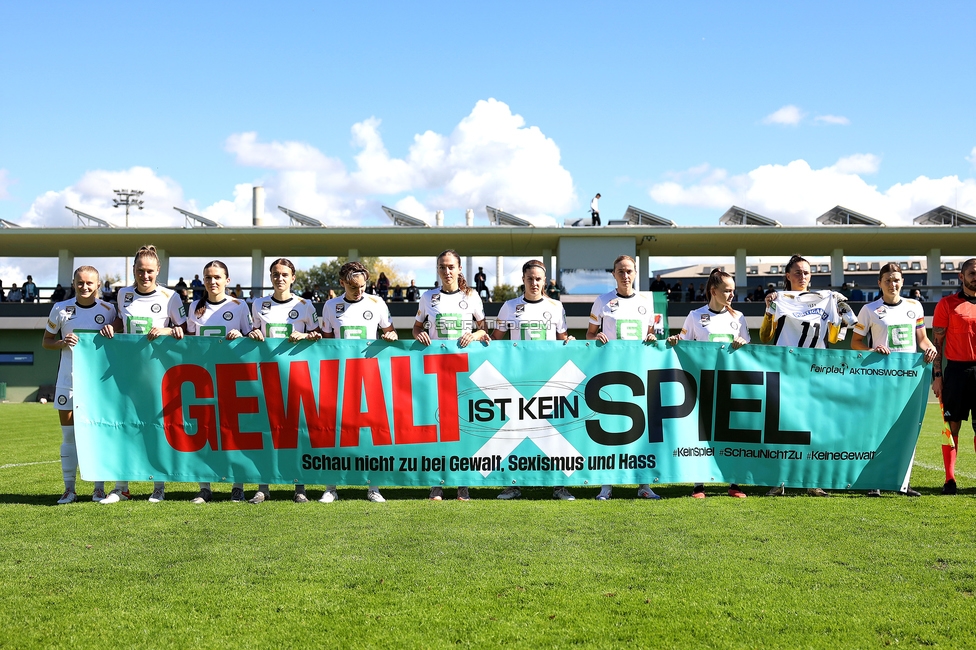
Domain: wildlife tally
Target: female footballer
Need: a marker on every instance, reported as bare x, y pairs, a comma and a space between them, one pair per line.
219, 315
151, 310
86, 311
893, 324
283, 315
533, 317
795, 318
355, 315
447, 313
718, 322
623, 314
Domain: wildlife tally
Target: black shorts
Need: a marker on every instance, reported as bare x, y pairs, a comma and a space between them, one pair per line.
958, 390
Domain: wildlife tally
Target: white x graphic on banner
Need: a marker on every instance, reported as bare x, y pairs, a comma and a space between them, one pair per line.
543, 434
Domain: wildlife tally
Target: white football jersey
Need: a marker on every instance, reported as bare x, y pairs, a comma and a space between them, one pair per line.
449, 315
355, 320
805, 319
219, 318
626, 318
532, 321
703, 324
68, 316
891, 325
140, 312
277, 320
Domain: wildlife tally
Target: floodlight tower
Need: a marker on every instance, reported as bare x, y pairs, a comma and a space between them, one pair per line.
128, 198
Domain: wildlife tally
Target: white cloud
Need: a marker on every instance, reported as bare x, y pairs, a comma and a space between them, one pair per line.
797, 194
789, 115
839, 120
5, 183
972, 157
491, 157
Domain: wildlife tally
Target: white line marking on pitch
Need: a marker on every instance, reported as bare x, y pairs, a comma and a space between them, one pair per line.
940, 469
40, 462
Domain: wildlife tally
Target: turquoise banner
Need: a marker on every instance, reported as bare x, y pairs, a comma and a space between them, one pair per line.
512, 413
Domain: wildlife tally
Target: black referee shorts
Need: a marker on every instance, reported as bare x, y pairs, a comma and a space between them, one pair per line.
958, 390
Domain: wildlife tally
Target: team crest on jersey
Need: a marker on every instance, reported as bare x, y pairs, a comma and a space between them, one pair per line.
642, 310
547, 315
293, 313
705, 319
368, 315
612, 306
128, 298
228, 316
70, 311
881, 311
156, 308
435, 299
340, 308
734, 324
910, 314
519, 310
463, 304
266, 308
99, 319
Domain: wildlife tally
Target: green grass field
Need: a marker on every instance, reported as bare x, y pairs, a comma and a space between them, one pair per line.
843, 572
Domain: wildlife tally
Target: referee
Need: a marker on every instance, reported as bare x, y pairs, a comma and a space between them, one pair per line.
954, 335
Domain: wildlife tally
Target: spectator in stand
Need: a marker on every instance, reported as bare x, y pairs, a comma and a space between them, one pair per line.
383, 287
700, 296
674, 295
30, 290
15, 294
553, 290
413, 293
58, 294
758, 294
691, 292
181, 289
481, 283
238, 291
197, 287
659, 285
916, 294
1, 291
107, 294
770, 288
331, 294
398, 293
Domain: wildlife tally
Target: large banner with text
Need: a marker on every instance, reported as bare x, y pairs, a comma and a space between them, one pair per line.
510, 413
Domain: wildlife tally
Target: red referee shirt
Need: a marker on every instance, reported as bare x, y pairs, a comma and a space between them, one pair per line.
957, 314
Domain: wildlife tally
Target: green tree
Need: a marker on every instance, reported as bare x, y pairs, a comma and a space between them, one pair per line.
503, 292
326, 275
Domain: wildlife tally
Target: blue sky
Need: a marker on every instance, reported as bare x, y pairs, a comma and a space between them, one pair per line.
682, 109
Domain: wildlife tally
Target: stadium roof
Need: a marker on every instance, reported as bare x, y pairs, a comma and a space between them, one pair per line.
192, 220
482, 241
841, 216
299, 219
944, 216
736, 216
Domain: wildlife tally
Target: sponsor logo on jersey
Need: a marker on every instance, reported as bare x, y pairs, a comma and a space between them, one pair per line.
266, 308
70, 311
368, 315
128, 298
881, 311
99, 319
612, 306
228, 316
293, 313
705, 319
435, 299
156, 308
519, 310
340, 308
816, 311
